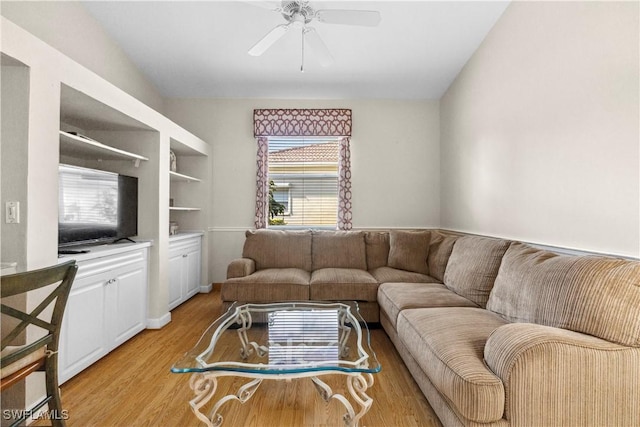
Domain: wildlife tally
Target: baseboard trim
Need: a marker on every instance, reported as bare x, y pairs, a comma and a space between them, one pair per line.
205, 289
159, 322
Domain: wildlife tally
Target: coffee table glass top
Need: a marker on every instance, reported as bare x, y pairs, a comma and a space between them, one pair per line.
284, 338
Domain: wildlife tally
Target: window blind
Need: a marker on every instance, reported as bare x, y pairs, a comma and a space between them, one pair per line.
303, 177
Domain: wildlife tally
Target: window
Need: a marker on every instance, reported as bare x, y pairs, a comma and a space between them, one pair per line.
282, 195
304, 173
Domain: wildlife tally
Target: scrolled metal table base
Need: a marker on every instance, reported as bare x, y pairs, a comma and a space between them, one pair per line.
205, 384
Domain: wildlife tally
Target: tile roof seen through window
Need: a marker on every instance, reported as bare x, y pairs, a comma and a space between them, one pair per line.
321, 152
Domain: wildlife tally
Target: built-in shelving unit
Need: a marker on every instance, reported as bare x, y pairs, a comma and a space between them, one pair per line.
179, 177
187, 186
47, 112
81, 146
184, 209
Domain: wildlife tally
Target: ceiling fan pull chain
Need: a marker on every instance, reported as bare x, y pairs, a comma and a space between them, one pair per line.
302, 61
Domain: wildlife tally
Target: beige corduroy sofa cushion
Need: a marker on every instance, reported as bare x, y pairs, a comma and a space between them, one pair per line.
448, 344
593, 295
338, 249
377, 244
409, 250
278, 248
440, 248
395, 297
335, 284
388, 274
268, 285
473, 267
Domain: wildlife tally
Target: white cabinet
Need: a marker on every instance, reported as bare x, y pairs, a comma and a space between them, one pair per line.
107, 305
185, 254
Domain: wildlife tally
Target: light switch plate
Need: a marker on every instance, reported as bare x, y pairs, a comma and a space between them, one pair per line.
12, 212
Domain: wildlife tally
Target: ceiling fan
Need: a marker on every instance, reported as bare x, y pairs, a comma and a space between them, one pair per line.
298, 14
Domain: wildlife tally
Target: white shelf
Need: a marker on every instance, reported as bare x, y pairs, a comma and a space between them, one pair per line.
183, 209
74, 146
178, 177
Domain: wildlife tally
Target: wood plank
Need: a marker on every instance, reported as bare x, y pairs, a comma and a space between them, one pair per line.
133, 385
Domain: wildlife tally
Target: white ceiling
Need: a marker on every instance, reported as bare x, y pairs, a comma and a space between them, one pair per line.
199, 49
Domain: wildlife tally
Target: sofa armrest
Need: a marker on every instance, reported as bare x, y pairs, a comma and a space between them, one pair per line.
241, 267
553, 376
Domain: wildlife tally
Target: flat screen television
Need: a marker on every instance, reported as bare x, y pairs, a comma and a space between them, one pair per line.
95, 206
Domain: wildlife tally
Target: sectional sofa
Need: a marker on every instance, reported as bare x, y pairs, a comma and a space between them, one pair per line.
495, 332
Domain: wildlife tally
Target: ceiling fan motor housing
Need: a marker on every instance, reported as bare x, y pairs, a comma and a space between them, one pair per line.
297, 11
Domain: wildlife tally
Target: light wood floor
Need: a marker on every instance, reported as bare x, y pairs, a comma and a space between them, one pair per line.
133, 385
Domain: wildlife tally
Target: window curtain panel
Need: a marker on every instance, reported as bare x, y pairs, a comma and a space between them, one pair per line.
303, 122
344, 185
262, 183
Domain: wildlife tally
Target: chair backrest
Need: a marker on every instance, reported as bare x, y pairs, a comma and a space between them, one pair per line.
20, 283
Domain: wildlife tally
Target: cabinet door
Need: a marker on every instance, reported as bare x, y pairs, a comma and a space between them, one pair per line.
176, 281
83, 335
107, 305
127, 292
192, 262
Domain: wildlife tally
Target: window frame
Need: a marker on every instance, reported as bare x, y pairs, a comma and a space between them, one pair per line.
275, 176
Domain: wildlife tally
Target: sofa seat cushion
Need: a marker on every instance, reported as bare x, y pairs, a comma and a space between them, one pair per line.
448, 344
395, 297
272, 284
338, 284
389, 274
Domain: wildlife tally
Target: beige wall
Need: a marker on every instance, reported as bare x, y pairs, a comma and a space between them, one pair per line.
14, 130
540, 131
68, 27
394, 155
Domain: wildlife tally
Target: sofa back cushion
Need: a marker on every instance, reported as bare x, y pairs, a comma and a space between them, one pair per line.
338, 249
409, 250
377, 244
598, 296
473, 267
278, 248
440, 248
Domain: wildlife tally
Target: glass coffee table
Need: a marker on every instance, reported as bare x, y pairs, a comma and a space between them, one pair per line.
282, 341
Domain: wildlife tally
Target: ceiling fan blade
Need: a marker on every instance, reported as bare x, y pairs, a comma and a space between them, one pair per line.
275, 6
366, 18
319, 48
268, 40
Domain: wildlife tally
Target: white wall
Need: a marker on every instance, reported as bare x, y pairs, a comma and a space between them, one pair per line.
540, 131
68, 27
394, 156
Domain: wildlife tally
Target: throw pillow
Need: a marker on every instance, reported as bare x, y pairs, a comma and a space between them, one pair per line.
409, 250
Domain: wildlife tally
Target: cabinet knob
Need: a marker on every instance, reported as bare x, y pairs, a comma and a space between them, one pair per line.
184, 256
110, 281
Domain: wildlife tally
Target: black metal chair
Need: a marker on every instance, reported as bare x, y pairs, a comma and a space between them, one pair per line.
19, 359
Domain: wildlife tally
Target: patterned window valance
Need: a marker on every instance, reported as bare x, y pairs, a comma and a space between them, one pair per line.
302, 122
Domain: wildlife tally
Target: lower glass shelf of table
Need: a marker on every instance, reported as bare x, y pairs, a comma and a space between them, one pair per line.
286, 340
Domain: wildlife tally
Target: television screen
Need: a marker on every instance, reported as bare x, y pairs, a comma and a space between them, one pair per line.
95, 206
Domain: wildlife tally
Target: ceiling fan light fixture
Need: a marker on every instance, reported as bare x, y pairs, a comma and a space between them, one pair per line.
298, 21
298, 13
